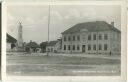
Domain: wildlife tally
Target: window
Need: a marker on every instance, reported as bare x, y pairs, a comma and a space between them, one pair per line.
94, 47
65, 38
78, 38
73, 47
51, 49
89, 37
105, 47
100, 37
105, 36
68, 47
83, 37
73, 38
89, 47
94, 37
64, 47
69, 38
78, 47
100, 47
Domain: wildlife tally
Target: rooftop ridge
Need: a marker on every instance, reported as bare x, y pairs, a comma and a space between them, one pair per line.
91, 26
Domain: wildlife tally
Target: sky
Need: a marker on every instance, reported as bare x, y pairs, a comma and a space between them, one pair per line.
34, 19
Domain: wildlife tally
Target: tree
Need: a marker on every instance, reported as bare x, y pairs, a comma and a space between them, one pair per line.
43, 46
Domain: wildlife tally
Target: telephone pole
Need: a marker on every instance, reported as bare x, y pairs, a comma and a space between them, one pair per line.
48, 27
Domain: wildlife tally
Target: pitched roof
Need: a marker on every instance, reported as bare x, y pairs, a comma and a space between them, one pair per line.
91, 26
52, 43
32, 44
43, 43
10, 39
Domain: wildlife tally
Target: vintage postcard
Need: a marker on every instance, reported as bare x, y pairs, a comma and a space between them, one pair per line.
65, 41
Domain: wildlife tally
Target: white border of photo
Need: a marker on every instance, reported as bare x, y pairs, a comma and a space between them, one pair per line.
121, 78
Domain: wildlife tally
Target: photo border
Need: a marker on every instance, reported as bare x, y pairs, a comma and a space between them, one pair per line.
121, 78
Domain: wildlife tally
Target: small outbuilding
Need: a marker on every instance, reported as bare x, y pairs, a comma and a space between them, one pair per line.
11, 43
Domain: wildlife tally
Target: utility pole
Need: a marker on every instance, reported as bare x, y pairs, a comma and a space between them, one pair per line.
48, 28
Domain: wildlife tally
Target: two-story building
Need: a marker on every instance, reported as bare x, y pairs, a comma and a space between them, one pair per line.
97, 37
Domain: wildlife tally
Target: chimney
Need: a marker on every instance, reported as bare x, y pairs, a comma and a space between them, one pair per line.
112, 23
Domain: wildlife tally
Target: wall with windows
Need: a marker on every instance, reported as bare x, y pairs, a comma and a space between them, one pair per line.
101, 42
71, 43
98, 42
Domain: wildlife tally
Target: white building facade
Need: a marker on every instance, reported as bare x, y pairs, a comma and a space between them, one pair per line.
96, 37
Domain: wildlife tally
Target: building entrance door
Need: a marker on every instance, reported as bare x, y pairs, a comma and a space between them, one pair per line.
83, 48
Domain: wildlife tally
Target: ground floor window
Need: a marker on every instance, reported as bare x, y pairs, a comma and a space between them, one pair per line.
105, 47
68, 47
73, 47
51, 49
64, 47
94, 47
100, 47
78, 47
89, 47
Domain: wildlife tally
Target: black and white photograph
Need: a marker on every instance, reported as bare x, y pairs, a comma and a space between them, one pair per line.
63, 40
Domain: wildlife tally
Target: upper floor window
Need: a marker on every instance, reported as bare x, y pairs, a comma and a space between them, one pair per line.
74, 38
69, 38
83, 37
105, 36
73, 47
89, 47
105, 46
89, 37
94, 37
65, 39
94, 47
78, 38
100, 47
100, 37
64, 47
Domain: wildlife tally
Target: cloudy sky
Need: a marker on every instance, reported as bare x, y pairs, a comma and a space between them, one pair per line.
34, 19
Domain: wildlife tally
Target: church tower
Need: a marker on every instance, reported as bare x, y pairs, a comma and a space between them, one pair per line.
20, 38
